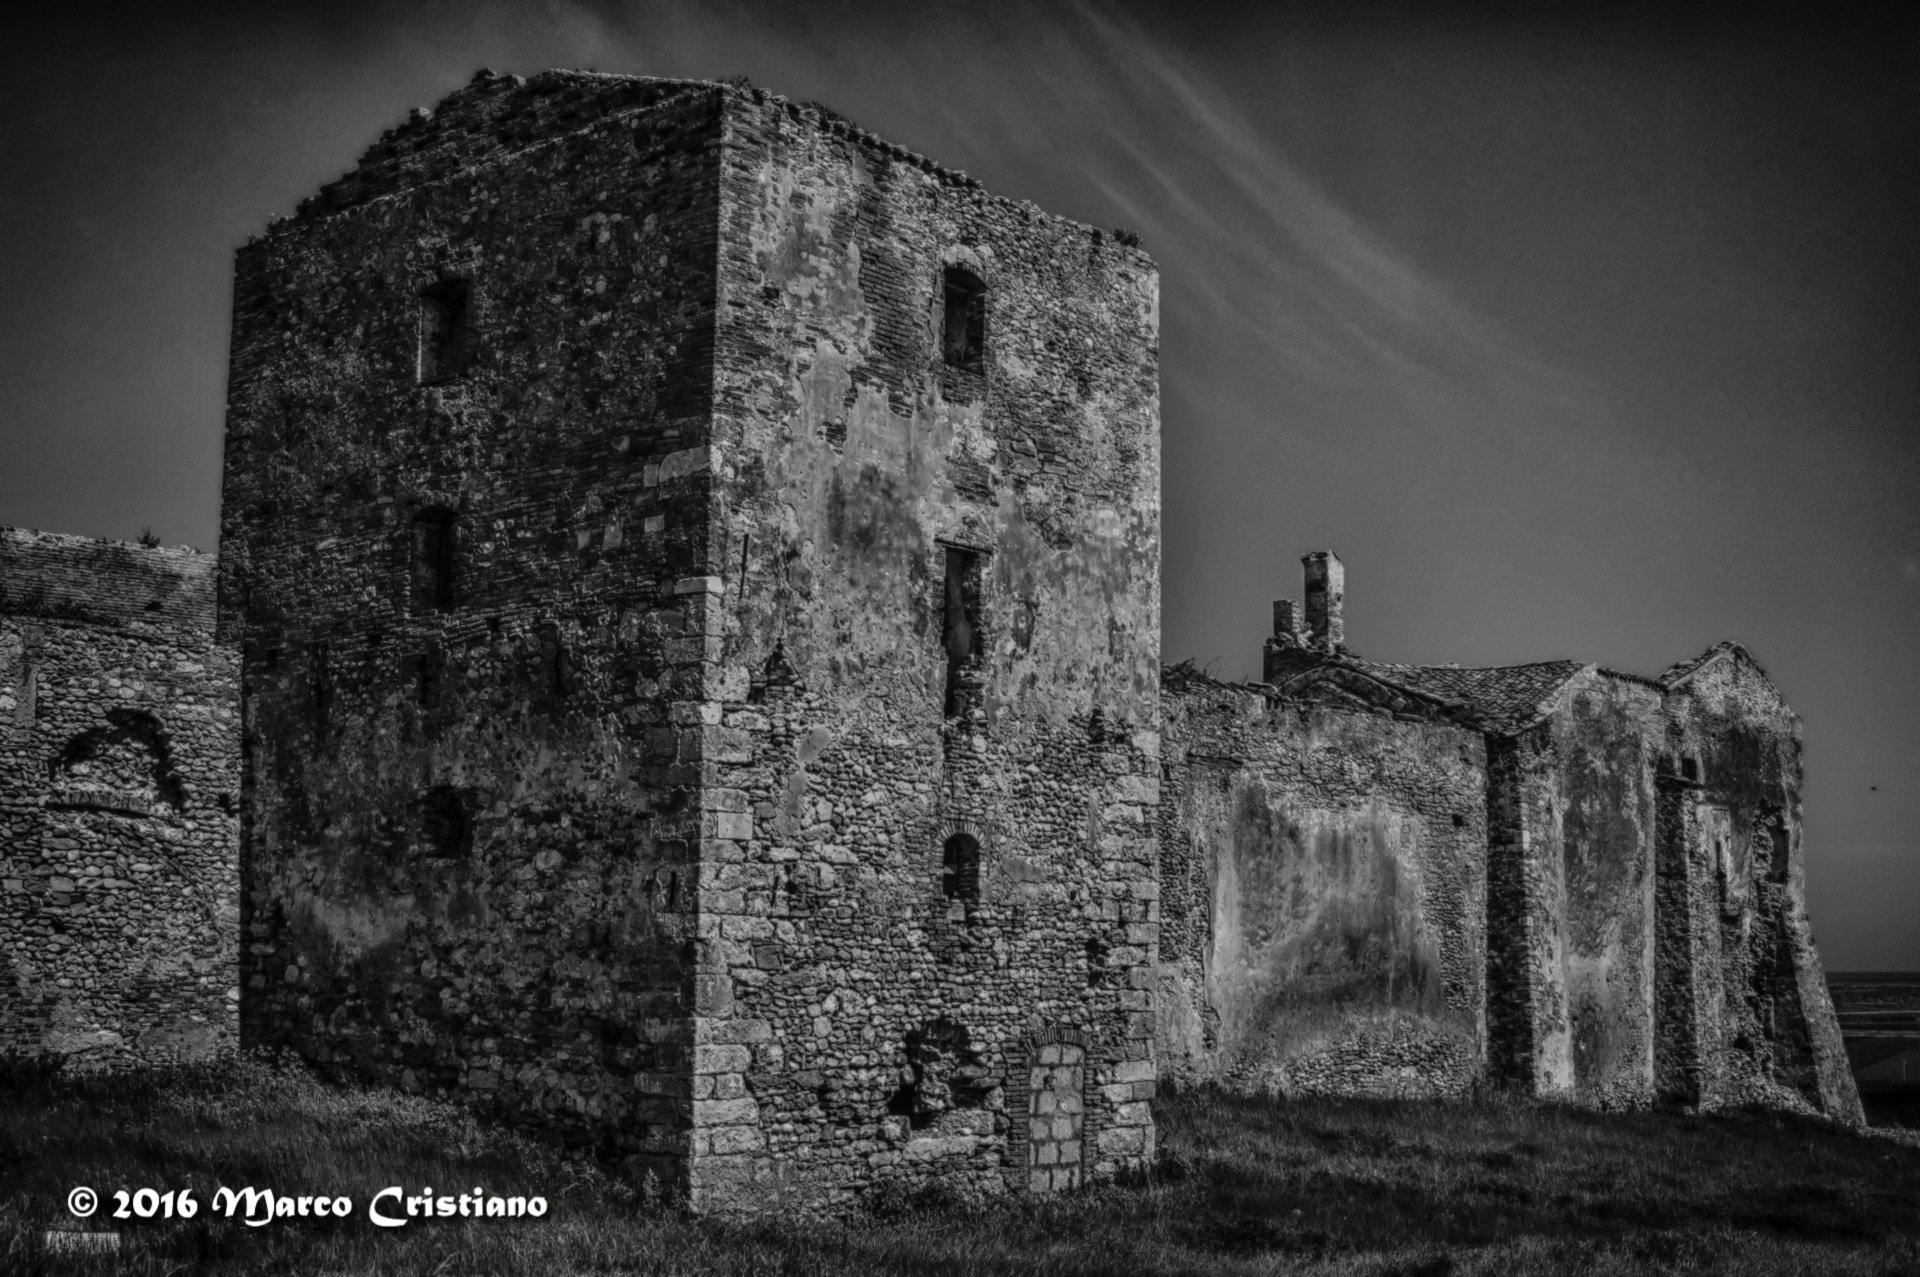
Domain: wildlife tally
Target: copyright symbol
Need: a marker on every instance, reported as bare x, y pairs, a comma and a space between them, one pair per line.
82, 1202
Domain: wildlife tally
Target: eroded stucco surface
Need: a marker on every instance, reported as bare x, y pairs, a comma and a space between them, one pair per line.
1324, 896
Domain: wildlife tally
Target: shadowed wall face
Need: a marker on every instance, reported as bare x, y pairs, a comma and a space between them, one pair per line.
1768, 1032
465, 535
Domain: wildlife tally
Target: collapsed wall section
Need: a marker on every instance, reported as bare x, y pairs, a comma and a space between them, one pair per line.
1324, 893
119, 794
928, 905
466, 545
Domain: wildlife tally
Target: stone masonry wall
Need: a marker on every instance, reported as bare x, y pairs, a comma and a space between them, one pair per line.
1323, 890
119, 794
476, 605
859, 1029
1572, 819
1763, 1025
1606, 734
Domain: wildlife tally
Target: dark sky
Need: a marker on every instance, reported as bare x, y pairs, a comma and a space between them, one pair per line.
1574, 338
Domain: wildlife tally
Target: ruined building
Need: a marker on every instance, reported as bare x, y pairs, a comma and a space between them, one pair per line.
119, 803
693, 571
1559, 878
696, 566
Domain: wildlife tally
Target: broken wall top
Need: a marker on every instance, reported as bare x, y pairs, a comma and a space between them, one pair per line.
56, 576
494, 116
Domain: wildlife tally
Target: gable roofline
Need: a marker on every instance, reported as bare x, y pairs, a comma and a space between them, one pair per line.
1679, 675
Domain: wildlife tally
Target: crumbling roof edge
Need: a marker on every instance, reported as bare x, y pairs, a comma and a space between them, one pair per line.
1680, 674
315, 207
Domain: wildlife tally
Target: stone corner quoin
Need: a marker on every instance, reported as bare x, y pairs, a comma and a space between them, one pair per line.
682, 672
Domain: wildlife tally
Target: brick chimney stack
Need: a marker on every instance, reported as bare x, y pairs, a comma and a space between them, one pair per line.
1326, 593
1288, 623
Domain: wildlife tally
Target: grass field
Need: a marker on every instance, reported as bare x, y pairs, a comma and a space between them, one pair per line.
1243, 1186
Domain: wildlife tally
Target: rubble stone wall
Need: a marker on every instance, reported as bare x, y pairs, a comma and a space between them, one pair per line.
1323, 888
119, 800
1766, 1030
860, 1028
475, 605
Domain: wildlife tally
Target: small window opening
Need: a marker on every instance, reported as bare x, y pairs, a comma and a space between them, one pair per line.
1776, 842
1459, 821
444, 821
445, 336
960, 627
433, 561
960, 868
963, 332
1690, 769
556, 663
322, 688
423, 672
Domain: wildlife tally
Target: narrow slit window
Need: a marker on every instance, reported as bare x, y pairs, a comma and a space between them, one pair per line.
960, 625
1690, 769
445, 822
960, 868
963, 336
433, 561
423, 672
445, 331
321, 688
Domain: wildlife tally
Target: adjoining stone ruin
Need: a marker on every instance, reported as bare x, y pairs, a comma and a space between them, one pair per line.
119, 804
1591, 881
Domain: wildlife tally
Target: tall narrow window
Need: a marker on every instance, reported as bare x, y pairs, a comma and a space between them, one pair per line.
321, 688
433, 561
960, 626
963, 336
423, 674
960, 868
445, 334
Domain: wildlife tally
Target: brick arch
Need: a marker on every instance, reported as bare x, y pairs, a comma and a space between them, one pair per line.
1051, 1126
944, 833
126, 765
951, 825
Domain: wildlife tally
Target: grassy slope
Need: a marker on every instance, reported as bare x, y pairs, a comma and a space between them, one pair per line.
1244, 1186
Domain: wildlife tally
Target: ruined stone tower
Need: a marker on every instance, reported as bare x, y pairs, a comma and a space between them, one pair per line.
696, 567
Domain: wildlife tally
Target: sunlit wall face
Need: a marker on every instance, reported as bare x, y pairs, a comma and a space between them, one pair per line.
1573, 340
